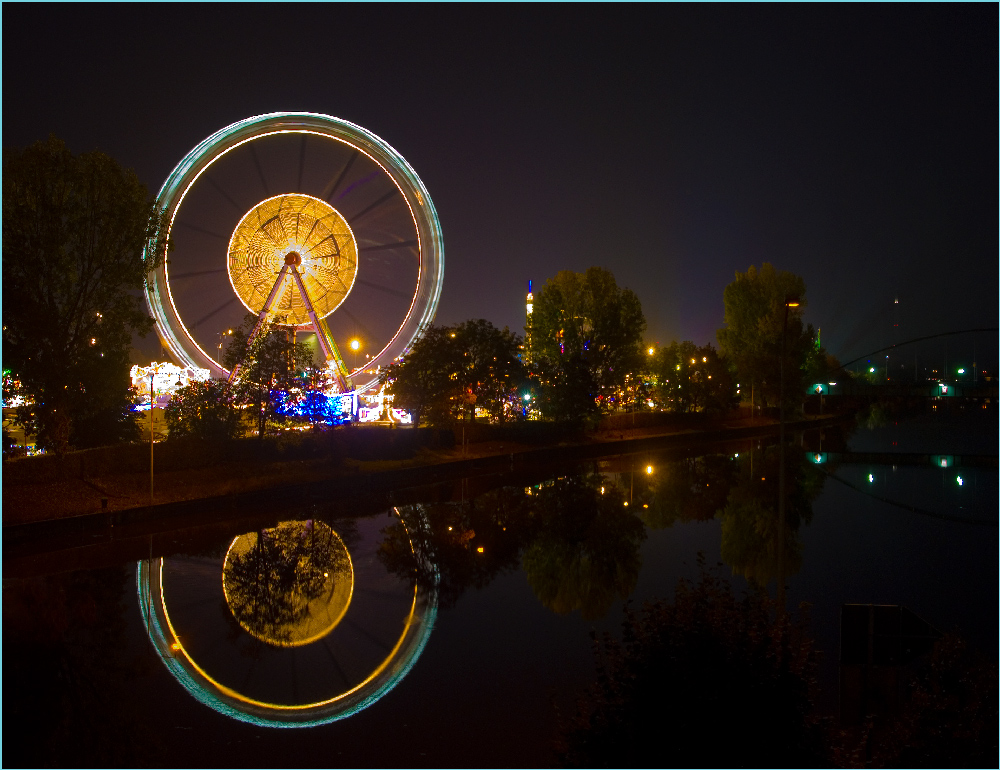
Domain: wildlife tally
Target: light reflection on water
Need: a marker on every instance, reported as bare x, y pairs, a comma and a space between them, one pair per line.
517, 575
286, 629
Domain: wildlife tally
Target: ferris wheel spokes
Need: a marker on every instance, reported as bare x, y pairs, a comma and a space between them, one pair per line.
324, 337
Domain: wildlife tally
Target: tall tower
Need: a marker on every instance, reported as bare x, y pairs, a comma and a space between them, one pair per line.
528, 308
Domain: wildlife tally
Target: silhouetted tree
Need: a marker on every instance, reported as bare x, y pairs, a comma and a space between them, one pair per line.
587, 315
680, 663
453, 370
566, 389
204, 410
74, 230
691, 378
270, 366
751, 340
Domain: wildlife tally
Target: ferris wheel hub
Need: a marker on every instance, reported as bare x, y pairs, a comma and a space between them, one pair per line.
293, 258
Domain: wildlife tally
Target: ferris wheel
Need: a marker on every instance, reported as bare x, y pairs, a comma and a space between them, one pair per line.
305, 220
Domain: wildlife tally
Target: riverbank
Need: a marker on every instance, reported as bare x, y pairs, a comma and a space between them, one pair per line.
78, 501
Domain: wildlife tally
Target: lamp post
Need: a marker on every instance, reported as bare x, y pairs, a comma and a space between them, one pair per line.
789, 302
227, 333
152, 375
154, 369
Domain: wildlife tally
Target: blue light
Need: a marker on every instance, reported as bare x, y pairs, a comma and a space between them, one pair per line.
316, 406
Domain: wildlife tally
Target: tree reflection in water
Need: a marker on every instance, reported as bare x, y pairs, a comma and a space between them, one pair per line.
579, 543
452, 546
290, 584
753, 544
586, 550
691, 489
579, 548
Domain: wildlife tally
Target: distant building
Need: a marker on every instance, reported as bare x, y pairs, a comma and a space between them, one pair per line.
528, 308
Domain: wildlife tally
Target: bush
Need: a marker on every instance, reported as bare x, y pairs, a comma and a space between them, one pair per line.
203, 410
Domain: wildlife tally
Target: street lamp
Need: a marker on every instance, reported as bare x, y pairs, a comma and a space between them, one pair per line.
789, 303
355, 346
227, 333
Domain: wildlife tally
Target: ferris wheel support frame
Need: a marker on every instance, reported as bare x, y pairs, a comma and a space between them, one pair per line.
323, 335
175, 335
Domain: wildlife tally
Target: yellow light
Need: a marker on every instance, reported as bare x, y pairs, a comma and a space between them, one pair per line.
480, 549
678, 367
355, 345
793, 303
602, 490
175, 646
692, 361
270, 233
626, 503
651, 351
704, 359
530, 307
649, 469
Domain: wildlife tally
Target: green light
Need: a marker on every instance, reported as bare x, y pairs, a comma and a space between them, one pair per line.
872, 370
961, 371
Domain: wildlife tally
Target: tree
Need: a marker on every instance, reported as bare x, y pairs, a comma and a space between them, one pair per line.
566, 389
587, 315
425, 382
681, 662
74, 231
269, 367
692, 379
204, 410
453, 370
489, 368
752, 338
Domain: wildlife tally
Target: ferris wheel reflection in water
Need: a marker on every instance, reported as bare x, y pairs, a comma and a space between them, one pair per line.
295, 632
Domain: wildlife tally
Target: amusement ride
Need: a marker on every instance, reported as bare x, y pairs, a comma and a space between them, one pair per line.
305, 221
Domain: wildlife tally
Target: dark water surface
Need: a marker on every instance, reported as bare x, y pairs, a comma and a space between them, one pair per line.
325, 636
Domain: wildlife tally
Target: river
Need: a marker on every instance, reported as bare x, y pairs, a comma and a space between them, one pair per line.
450, 625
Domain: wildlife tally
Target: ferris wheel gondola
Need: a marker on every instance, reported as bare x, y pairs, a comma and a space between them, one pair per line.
305, 219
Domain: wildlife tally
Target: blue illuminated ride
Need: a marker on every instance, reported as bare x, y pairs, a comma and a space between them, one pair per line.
305, 220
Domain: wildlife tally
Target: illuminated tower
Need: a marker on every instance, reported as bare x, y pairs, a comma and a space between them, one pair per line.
528, 307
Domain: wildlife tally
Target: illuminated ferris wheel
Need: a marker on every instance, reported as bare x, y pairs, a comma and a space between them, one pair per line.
305, 220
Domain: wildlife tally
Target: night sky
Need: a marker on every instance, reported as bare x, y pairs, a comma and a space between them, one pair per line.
673, 145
